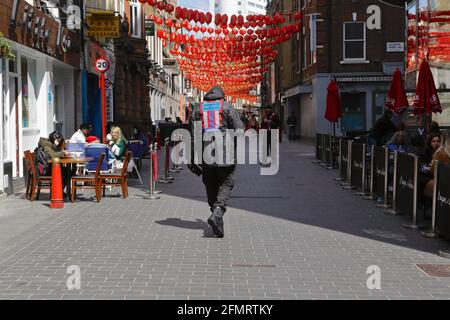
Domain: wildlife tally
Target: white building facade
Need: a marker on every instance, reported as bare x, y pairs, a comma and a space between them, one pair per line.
242, 7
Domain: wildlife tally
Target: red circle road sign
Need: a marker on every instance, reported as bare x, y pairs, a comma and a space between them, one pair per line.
102, 65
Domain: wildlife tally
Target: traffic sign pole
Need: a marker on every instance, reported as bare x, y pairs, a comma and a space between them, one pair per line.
102, 66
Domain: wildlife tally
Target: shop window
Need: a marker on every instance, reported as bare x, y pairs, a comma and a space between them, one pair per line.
354, 109
28, 90
443, 118
135, 18
378, 106
354, 41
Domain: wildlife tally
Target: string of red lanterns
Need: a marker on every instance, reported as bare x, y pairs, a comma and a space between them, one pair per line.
234, 54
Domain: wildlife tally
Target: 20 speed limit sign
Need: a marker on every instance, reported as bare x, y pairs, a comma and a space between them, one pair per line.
102, 65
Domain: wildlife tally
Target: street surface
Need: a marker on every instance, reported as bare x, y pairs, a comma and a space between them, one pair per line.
296, 235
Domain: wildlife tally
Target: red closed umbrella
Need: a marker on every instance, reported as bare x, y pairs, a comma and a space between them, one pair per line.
334, 107
426, 99
396, 100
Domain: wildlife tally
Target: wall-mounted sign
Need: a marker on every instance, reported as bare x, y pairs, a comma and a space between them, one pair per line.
103, 25
395, 47
102, 65
149, 28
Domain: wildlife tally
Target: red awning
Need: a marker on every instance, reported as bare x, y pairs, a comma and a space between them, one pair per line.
396, 100
426, 99
334, 108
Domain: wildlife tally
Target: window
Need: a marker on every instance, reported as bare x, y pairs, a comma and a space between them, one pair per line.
29, 106
354, 41
135, 18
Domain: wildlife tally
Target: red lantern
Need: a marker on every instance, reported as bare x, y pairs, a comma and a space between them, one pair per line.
203, 29
234, 31
224, 20
170, 8
233, 20
218, 31
142, 1
240, 20
178, 12
218, 19
210, 30
161, 5
190, 15
196, 28
185, 12
202, 18
151, 2
250, 18
298, 16
242, 32
196, 16
159, 21
250, 31
169, 23
208, 17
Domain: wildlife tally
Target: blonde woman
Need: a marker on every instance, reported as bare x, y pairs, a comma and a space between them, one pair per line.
117, 142
443, 156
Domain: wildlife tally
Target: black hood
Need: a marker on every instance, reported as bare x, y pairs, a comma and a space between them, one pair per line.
215, 93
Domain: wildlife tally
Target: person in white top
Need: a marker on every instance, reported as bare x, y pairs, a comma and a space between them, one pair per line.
81, 134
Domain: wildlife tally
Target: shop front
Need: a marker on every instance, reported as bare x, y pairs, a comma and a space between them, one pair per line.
428, 31
37, 88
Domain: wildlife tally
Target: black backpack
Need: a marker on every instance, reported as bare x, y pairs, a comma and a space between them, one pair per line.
41, 159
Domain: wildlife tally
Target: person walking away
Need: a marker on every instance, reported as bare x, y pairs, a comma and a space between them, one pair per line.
218, 178
292, 123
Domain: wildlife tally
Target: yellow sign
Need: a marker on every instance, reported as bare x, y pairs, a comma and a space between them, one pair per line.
103, 25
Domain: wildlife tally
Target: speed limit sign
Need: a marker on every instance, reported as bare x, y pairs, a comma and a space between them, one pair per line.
102, 65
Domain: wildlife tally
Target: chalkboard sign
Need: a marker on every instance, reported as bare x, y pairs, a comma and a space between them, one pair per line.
357, 165
379, 171
443, 201
405, 190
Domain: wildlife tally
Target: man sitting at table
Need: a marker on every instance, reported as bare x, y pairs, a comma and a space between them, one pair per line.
94, 142
81, 134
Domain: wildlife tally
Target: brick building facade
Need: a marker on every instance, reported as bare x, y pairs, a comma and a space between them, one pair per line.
359, 45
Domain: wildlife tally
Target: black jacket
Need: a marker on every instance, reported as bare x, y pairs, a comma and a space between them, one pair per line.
231, 118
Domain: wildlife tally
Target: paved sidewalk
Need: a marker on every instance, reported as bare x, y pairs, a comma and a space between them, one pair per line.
296, 235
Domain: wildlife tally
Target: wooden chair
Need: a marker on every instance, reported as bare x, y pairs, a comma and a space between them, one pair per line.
118, 180
34, 182
89, 182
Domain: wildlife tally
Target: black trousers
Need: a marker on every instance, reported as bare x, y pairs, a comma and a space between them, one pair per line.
219, 182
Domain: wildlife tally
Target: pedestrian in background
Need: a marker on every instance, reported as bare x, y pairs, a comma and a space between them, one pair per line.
292, 123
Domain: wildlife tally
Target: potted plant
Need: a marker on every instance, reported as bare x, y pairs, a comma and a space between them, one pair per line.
5, 49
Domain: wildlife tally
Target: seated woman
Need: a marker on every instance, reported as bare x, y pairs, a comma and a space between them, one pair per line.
426, 157
432, 145
50, 148
443, 156
117, 143
401, 142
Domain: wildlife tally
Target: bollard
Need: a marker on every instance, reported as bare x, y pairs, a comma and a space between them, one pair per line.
393, 211
175, 166
414, 225
432, 233
57, 201
166, 179
324, 150
151, 192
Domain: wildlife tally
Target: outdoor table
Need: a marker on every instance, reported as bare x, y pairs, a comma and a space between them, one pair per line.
70, 162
